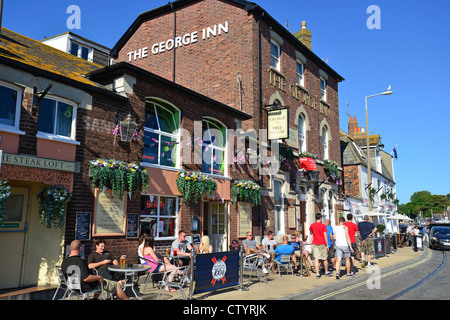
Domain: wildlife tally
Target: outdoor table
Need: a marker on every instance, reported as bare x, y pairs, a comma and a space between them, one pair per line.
130, 270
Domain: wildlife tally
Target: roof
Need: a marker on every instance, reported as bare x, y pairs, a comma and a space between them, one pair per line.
121, 68
247, 5
21, 52
76, 36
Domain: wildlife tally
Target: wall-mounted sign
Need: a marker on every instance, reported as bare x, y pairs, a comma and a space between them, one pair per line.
109, 214
278, 124
83, 226
133, 225
245, 218
179, 41
41, 163
308, 164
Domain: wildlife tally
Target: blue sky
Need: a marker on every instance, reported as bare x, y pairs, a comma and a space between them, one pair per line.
410, 52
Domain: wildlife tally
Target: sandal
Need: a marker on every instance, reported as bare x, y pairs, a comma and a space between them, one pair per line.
171, 290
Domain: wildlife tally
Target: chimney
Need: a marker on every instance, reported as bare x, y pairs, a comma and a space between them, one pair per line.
304, 35
352, 126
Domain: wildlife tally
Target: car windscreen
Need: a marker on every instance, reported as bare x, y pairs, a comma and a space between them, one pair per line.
440, 231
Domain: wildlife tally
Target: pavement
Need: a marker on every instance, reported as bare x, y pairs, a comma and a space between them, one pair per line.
273, 287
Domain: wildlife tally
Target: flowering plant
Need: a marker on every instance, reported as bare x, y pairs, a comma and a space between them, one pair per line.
307, 155
5, 192
192, 185
286, 152
118, 175
52, 201
331, 168
244, 190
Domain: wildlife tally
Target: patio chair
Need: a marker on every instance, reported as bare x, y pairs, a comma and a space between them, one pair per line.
253, 262
179, 280
285, 262
74, 285
151, 275
62, 282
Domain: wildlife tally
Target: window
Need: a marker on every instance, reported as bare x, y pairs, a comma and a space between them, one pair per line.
325, 142
300, 74
57, 117
81, 51
275, 55
159, 216
10, 102
323, 89
278, 206
301, 134
161, 135
213, 147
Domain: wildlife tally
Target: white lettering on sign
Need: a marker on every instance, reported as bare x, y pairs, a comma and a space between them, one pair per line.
179, 41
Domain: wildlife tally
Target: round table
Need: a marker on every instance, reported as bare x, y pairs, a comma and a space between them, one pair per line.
130, 270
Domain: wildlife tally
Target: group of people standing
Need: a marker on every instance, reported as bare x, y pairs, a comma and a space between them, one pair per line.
340, 243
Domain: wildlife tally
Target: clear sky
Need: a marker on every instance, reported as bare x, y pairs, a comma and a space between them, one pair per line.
410, 52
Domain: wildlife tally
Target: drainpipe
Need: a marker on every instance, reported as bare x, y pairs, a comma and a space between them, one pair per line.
174, 35
261, 221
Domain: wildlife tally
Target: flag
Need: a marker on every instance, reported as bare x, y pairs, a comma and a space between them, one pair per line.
395, 152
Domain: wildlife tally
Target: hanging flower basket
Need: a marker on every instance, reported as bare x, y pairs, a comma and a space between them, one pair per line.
52, 202
192, 185
244, 190
331, 168
5, 192
118, 176
307, 155
286, 152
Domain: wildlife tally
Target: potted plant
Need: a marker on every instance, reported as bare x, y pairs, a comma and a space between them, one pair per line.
52, 201
380, 229
192, 185
5, 192
244, 190
286, 153
118, 176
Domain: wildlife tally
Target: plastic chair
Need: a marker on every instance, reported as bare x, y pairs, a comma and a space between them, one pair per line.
62, 282
285, 262
183, 276
74, 285
253, 262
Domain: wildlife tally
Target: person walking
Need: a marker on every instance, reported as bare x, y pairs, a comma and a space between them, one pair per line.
343, 248
352, 228
331, 249
366, 230
320, 245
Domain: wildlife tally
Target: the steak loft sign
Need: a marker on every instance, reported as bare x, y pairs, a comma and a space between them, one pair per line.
179, 41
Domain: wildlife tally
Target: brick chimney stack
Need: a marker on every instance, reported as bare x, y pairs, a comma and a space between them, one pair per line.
304, 35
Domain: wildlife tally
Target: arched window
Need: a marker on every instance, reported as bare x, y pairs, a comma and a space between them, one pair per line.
301, 133
161, 134
213, 146
325, 142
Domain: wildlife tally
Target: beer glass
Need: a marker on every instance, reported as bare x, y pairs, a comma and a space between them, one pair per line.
123, 260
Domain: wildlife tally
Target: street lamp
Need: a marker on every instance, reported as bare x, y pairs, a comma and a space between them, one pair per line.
127, 128
369, 172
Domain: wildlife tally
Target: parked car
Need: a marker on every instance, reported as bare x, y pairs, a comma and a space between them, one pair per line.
440, 237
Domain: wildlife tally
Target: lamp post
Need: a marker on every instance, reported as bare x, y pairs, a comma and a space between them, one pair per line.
369, 172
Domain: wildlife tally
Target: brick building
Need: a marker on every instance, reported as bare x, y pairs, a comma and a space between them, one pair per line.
236, 53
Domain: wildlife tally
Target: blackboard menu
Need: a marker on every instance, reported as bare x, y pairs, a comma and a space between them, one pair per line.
133, 225
83, 226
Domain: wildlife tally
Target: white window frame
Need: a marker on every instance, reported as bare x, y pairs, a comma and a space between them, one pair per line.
325, 143
300, 76
279, 208
276, 59
323, 89
57, 137
14, 128
223, 149
176, 135
302, 134
158, 215
80, 46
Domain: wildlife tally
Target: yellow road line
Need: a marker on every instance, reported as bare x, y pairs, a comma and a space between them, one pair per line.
377, 278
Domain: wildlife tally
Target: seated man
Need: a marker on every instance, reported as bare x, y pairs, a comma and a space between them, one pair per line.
101, 259
285, 248
250, 246
74, 263
298, 248
183, 249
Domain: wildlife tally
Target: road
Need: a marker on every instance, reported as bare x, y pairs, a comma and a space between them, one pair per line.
427, 278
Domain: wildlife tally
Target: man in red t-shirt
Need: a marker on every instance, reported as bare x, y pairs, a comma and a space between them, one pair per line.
352, 228
319, 244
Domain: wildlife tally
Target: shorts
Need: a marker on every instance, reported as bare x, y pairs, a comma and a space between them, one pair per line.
355, 250
367, 247
320, 252
331, 252
343, 252
109, 285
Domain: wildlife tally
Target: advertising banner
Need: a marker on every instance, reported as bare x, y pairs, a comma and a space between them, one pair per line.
216, 270
308, 164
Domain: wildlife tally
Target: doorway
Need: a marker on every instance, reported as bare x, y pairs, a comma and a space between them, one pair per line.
215, 224
13, 232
